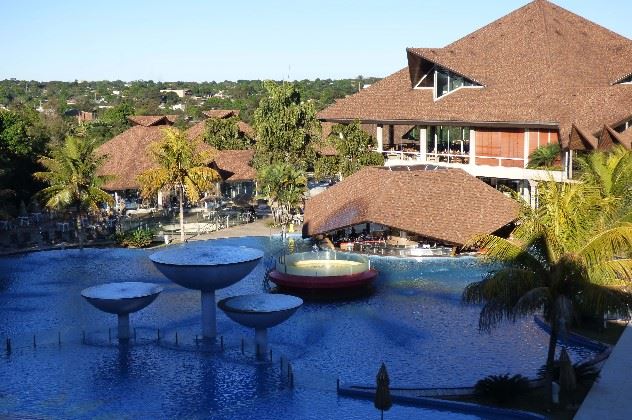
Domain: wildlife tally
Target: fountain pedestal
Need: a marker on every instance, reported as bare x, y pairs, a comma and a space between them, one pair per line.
123, 327
209, 314
122, 299
261, 340
206, 268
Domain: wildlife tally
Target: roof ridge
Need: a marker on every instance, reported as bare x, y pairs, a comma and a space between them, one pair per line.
503, 17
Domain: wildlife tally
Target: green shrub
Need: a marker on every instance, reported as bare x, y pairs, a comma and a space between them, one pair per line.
501, 388
138, 238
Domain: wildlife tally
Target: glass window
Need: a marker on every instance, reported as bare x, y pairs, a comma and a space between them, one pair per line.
442, 83
448, 82
430, 140
455, 82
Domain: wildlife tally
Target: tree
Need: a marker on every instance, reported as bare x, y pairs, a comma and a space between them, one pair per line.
116, 117
73, 179
564, 256
544, 156
224, 134
23, 139
286, 127
354, 148
182, 166
610, 171
285, 186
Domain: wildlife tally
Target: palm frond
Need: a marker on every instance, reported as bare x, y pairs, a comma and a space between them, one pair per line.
600, 300
607, 244
532, 301
497, 249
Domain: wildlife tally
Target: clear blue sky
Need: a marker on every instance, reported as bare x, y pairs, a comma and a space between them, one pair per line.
196, 40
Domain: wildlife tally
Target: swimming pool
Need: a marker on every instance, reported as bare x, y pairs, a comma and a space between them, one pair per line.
414, 322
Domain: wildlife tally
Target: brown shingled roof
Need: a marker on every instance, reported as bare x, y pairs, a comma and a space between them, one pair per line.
234, 165
445, 205
151, 120
609, 138
129, 156
580, 140
221, 113
540, 65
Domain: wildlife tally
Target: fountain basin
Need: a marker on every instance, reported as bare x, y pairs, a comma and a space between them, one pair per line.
260, 310
121, 298
323, 271
206, 268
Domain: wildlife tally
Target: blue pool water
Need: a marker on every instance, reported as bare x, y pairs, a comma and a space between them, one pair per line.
414, 322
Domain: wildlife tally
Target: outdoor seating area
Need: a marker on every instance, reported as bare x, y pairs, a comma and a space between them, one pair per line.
45, 229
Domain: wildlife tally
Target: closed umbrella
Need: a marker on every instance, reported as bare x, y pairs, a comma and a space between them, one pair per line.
382, 393
568, 381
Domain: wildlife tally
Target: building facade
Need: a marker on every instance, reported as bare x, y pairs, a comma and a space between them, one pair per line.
540, 75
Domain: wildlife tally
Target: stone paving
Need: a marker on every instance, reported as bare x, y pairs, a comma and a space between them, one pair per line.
610, 398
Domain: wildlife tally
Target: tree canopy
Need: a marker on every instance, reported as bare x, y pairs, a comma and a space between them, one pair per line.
224, 134
286, 127
181, 165
285, 186
571, 254
73, 180
354, 150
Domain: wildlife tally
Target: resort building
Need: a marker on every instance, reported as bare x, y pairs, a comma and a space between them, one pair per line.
422, 204
484, 103
128, 157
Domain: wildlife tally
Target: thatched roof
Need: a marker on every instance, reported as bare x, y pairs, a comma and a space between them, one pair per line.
539, 66
445, 205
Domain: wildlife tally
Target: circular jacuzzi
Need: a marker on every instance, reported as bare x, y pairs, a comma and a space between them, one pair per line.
322, 270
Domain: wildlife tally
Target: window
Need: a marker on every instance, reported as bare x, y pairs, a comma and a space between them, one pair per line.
448, 81
443, 81
448, 144
443, 78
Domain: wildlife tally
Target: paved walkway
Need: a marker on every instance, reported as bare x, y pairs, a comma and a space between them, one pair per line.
257, 228
610, 398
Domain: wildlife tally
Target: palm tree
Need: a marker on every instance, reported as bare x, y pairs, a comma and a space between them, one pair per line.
610, 171
566, 255
73, 179
544, 156
180, 166
285, 186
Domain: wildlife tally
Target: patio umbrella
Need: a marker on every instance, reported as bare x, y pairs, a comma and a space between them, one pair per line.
568, 381
382, 393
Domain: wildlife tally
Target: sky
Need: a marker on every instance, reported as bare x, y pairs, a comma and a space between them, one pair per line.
196, 40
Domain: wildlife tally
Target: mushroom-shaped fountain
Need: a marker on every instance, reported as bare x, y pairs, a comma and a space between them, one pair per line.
206, 268
122, 299
260, 311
